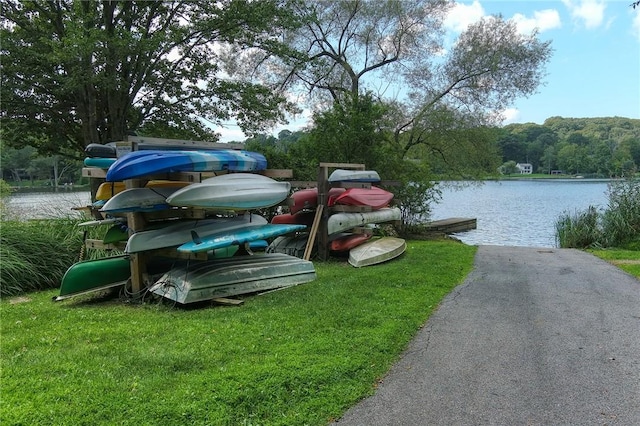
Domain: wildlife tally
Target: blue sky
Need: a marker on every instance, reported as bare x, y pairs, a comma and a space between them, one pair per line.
594, 70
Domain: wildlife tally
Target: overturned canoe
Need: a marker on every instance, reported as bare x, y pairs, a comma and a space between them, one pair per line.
234, 191
94, 275
200, 281
376, 251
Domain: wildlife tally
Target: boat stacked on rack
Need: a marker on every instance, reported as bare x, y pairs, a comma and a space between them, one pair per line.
355, 205
209, 221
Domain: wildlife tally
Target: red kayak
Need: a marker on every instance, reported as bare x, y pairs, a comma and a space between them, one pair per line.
376, 198
300, 218
308, 198
346, 242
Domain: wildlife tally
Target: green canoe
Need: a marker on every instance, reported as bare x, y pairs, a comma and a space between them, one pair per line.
93, 275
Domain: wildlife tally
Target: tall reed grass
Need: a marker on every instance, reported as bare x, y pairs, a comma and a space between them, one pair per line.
616, 226
35, 254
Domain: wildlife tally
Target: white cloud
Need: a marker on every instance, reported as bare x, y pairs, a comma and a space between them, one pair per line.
635, 26
543, 20
589, 13
463, 15
510, 115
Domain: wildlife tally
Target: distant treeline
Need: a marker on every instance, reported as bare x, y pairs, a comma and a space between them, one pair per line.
604, 147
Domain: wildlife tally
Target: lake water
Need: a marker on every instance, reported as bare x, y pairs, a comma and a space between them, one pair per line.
45, 205
514, 213
518, 212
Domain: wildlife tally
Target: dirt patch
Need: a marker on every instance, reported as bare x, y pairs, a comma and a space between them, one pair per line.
626, 262
19, 299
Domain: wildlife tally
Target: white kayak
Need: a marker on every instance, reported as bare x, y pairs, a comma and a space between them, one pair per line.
339, 222
234, 191
139, 200
343, 175
179, 233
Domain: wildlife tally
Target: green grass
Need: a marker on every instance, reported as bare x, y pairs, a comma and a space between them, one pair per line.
297, 356
627, 260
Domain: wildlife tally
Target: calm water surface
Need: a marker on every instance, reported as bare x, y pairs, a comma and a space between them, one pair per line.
46, 205
515, 213
518, 213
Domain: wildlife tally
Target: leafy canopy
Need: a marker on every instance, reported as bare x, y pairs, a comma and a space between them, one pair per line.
77, 72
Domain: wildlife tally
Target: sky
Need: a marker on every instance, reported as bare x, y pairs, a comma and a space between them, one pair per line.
594, 70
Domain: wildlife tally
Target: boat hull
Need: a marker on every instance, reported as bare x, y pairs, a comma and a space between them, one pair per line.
94, 275
237, 191
300, 218
106, 190
345, 242
339, 222
373, 197
149, 162
376, 251
307, 199
179, 233
342, 175
139, 200
208, 280
239, 236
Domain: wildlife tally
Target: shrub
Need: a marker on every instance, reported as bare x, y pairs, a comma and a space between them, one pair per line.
579, 230
617, 226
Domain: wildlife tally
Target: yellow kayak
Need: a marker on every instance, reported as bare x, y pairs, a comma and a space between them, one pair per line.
107, 190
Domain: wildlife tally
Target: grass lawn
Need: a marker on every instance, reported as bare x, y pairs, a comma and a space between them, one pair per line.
302, 355
627, 260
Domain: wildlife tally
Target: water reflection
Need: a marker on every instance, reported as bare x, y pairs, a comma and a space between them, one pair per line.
518, 213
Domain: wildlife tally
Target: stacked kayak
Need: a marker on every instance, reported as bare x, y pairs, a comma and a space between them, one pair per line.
138, 164
227, 229
353, 201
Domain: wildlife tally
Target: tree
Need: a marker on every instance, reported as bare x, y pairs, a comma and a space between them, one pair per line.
509, 168
395, 50
77, 72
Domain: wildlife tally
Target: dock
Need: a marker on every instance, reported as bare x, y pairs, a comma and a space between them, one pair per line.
452, 225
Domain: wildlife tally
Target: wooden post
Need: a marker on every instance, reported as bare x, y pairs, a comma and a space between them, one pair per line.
323, 194
136, 222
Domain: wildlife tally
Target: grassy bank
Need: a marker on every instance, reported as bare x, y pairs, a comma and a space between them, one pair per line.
627, 260
298, 356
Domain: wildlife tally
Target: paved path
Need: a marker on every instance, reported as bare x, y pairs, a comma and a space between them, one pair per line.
533, 337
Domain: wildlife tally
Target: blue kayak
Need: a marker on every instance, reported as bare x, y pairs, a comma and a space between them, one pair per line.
238, 236
137, 164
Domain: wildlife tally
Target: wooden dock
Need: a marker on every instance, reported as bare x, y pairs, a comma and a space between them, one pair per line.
452, 225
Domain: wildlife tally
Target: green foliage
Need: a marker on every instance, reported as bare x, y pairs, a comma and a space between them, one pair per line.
621, 221
605, 147
617, 226
349, 132
122, 65
36, 254
5, 189
509, 168
580, 229
301, 356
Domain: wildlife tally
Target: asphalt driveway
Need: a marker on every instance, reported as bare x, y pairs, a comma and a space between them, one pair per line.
533, 337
